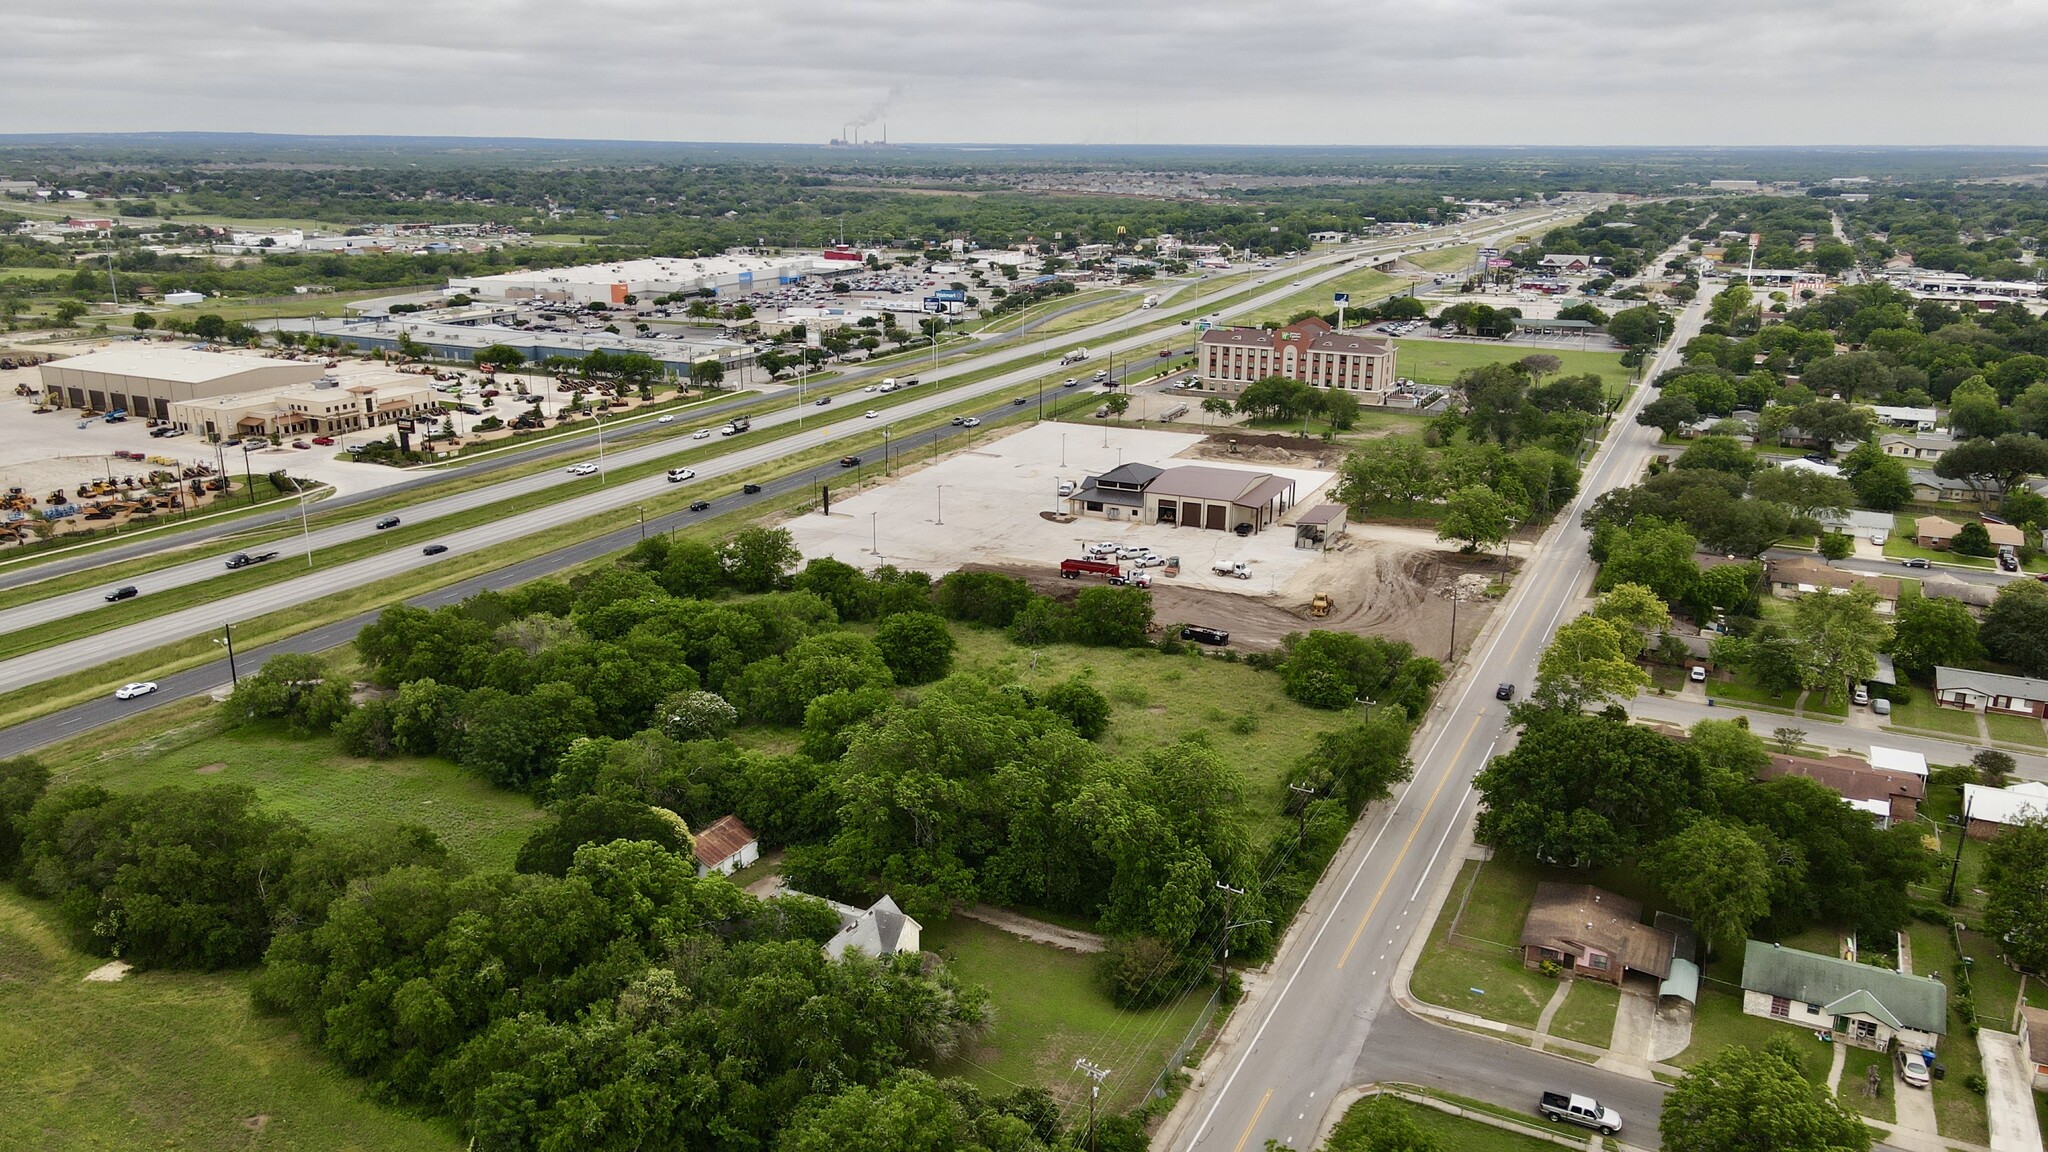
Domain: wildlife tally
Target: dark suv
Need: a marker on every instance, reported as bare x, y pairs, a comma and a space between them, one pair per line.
1201, 635
1504, 692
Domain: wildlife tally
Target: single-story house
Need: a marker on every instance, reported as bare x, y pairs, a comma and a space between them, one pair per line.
881, 931
1988, 810
1923, 449
1991, 692
1118, 494
1858, 523
1930, 488
1862, 1004
1949, 588
1898, 760
1802, 464
1594, 934
1320, 525
1217, 499
1889, 797
726, 846
1935, 532
1918, 419
1796, 577
2034, 1043
2004, 535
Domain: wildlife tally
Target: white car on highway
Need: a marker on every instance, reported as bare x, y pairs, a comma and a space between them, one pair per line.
701, 434
582, 469
971, 422
131, 691
678, 475
871, 414
669, 419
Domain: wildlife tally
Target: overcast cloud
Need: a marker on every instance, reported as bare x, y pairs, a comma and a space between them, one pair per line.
1054, 71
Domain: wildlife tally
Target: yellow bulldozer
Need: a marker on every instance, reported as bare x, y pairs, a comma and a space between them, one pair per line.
1319, 607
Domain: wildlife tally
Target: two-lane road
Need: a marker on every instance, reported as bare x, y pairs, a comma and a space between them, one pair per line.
1314, 1027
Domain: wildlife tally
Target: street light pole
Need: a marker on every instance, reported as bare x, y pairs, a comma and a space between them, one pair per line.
305, 529
249, 473
875, 534
942, 504
228, 630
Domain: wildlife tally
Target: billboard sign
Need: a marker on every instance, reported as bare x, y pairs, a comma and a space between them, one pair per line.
1489, 252
951, 295
1341, 297
1497, 262
405, 424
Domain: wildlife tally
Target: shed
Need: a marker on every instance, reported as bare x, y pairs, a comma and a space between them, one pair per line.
1318, 526
725, 847
1988, 810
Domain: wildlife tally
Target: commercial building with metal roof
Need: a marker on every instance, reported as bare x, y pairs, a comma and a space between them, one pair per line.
145, 381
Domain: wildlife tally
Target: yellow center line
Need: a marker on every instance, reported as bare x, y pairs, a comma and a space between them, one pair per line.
1249, 1124
1405, 845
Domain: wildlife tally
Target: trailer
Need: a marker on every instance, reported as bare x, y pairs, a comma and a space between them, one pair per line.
1073, 570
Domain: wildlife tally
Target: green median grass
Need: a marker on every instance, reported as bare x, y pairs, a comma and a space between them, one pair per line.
1455, 259
1048, 1011
1367, 287
166, 1060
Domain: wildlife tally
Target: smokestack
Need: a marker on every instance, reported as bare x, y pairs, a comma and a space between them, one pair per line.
885, 131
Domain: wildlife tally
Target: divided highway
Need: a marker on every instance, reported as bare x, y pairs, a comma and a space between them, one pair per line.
821, 426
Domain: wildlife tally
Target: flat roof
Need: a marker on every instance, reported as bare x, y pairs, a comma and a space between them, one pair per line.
1898, 760
183, 365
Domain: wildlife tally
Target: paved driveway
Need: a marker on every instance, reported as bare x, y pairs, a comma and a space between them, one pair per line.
2015, 1127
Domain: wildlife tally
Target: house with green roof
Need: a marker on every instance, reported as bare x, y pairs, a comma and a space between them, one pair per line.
1861, 1004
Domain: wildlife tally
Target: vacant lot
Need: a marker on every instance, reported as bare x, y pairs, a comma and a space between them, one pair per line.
1480, 970
1440, 361
1048, 1012
165, 1061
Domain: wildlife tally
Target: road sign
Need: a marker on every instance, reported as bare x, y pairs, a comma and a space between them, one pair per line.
1342, 297
1489, 251
1201, 325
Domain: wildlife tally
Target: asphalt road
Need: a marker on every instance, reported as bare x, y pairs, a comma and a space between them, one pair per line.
1689, 708
1316, 1020
553, 508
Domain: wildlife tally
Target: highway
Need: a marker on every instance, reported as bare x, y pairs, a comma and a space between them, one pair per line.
552, 506
1311, 1028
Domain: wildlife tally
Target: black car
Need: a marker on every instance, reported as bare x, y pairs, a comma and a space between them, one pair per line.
433, 549
750, 489
1915, 562
849, 461
1202, 635
387, 522
2008, 561
1020, 401
824, 400
1504, 692
125, 592
959, 420
700, 505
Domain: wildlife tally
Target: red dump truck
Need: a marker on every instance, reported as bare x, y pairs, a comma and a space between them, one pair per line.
1072, 569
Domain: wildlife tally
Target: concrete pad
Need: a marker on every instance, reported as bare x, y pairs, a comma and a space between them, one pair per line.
1635, 1020
2009, 1098
1915, 1106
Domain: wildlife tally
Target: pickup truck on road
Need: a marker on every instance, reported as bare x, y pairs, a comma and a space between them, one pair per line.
1581, 1110
244, 559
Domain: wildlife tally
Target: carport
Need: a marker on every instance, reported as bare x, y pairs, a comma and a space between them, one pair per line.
1320, 525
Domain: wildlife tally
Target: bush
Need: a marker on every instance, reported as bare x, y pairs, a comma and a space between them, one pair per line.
1975, 1082
1077, 702
1139, 971
1551, 968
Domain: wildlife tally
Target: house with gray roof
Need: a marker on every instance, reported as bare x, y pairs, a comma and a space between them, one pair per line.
1930, 488
1860, 1004
1991, 692
1118, 494
881, 931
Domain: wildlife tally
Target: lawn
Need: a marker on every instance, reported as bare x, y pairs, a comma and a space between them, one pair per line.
1899, 546
1440, 361
1742, 690
1365, 285
1048, 1011
1718, 1022
2016, 730
313, 781
1923, 713
1484, 979
165, 1061
1856, 1067
1959, 1113
1158, 699
1095, 313
1454, 259
1457, 1134
1587, 1015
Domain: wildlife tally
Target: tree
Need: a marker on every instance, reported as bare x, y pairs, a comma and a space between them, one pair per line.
1476, 515
1804, 492
1639, 329
2015, 627
1885, 485
917, 647
581, 820
2016, 877
1650, 552
1539, 364
1994, 768
707, 373
1742, 1100
1590, 661
1393, 472
1277, 398
1077, 701
1999, 464
1829, 422
294, 687
1340, 409
1117, 405
1836, 546
1112, 617
1668, 414
1362, 762
1380, 1124
1494, 395
22, 782
1718, 454
67, 313
144, 322
1218, 406
1718, 875
499, 356
1974, 411
1928, 634
759, 559
1840, 634
1972, 539
696, 715
1587, 790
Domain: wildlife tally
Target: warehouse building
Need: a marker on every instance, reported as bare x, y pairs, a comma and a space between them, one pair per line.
462, 341
657, 276
145, 382
1188, 496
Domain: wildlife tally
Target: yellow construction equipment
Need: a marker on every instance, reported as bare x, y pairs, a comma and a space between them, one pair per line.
1320, 606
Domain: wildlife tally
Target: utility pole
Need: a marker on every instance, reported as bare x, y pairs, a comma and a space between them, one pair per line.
1229, 894
1956, 867
1095, 1073
228, 630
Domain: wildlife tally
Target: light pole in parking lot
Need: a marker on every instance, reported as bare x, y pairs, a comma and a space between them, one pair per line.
875, 534
305, 529
885, 450
942, 504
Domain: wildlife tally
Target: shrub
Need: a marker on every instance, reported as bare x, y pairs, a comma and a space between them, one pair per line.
1139, 971
1975, 1082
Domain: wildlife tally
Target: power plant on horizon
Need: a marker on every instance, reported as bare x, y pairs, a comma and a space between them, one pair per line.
849, 137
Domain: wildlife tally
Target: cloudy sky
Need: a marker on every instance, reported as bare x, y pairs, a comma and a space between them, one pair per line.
1052, 71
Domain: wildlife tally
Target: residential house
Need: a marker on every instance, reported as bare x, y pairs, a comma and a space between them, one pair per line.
1594, 934
725, 847
1989, 811
1917, 449
1929, 488
2004, 536
1858, 523
1935, 532
881, 931
2034, 1043
1991, 692
1889, 797
1860, 1004
1791, 579
1948, 588
1898, 760
1802, 464
1918, 419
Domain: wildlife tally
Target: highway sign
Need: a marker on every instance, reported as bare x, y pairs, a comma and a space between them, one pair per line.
1342, 297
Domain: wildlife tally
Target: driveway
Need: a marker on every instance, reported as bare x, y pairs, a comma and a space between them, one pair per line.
2009, 1098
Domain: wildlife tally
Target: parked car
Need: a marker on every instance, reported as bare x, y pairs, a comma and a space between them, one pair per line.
678, 475
324, 441
387, 522
2008, 561
1148, 560
124, 592
1859, 695
1103, 549
1698, 675
131, 691
1881, 707
1066, 487
699, 505
300, 444
1915, 562
433, 549
750, 489
1913, 1067
1504, 692
1204, 635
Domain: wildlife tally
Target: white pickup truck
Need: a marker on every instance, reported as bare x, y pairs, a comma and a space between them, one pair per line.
1581, 1110
1237, 568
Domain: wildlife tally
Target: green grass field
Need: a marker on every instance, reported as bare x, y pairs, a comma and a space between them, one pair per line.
1440, 361
1048, 1012
162, 1060
1158, 699
1482, 971
1923, 713
1718, 1022
1458, 258
1856, 1067
1365, 285
1587, 1014
312, 780
2016, 730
